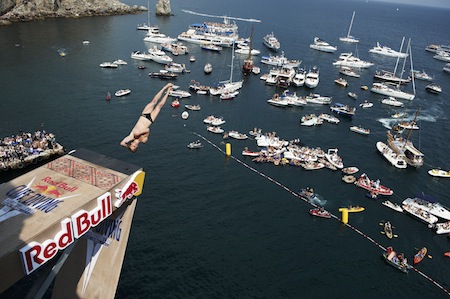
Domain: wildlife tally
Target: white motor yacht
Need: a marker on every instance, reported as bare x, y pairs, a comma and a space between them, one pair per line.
312, 78
141, 55
323, 46
280, 60
347, 59
390, 89
391, 101
386, 51
159, 56
271, 42
158, 38
299, 78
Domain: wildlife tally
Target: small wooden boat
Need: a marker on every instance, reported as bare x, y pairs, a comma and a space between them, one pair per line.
193, 107
320, 212
350, 170
439, 173
420, 255
349, 179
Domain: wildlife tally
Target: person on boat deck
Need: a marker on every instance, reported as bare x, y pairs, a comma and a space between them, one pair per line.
141, 129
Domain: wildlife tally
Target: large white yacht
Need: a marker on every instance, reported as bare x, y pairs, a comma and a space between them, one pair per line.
386, 51
158, 38
427, 204
347, 59
280, 60
391, 90
323, 46
271, 42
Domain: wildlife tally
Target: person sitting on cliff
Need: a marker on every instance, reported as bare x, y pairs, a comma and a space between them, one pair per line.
141, 129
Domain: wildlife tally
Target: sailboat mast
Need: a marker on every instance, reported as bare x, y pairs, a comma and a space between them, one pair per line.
351, 24
404, 61
412, 67
398, 58
148, 13
232, 62
250, 45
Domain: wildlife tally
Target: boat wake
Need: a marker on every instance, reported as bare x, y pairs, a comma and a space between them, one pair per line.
428, 116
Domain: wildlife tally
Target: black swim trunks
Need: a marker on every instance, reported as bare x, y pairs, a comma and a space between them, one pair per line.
148, 116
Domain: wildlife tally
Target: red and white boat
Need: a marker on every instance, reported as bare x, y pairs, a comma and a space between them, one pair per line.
175, 104
374, 187
250, 153
420, 255
320, 212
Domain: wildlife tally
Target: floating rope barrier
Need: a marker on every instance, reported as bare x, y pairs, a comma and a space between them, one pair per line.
437, 284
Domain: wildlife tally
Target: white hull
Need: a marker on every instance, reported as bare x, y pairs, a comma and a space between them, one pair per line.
397, 160
433, 208
386, 90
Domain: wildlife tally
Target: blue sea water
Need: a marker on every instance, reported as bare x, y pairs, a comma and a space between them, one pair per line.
207, 226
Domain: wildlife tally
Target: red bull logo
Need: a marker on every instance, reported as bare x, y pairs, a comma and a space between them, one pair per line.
35, 254
132, 188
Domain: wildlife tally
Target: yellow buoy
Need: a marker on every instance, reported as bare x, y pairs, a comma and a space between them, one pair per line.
228, 149
344, 212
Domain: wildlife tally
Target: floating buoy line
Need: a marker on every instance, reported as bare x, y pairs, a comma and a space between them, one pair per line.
437, 284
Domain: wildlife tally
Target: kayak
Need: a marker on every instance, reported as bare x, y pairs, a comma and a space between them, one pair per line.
420, 255
388, 229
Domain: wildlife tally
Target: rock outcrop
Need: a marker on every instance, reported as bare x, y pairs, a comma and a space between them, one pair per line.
163, 8
29, 10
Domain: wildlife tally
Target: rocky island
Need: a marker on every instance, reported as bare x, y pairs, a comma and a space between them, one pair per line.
28, 10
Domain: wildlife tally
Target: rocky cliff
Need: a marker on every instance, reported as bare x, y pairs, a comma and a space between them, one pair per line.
163, 8
28, 10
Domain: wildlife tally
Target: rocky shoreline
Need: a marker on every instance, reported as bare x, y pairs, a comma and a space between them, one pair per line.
38, 10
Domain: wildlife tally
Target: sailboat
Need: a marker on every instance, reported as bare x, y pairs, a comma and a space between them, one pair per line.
392, 76
392, 89
405, 147
349, 38
147, 26
248, 65
228, 85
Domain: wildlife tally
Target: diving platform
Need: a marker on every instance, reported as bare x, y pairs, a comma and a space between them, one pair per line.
68, 222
